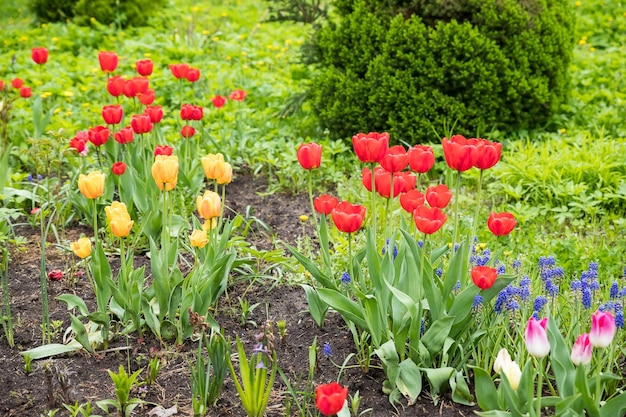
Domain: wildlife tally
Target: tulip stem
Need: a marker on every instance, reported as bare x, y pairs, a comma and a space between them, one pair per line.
95, 222
164, 230
387, 210
45, 315
373, 197
539, 383
456, 208
310, 187
477, 211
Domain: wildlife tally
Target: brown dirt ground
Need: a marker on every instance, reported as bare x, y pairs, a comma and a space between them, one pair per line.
24, 394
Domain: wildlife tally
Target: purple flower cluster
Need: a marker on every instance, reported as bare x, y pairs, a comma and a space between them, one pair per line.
507, 299
480, 259
550, 273
478, 300
586, 285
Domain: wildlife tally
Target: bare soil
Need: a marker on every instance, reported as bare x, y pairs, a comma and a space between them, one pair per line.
86, 377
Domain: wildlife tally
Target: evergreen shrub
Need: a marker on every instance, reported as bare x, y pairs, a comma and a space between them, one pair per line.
123, 12
414, 67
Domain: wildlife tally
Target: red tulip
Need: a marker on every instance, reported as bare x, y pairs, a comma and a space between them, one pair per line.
395, 160
484, 276
118, 168
131, 89
26, 92
501, 224
79, 142
39, 55
193, 75
115, 85
98, 135
460, 153
155, 113
124, 136
108, 61
146, 98
348, 218
371, 147
1, 85
429, 219
187, 131
163, 150
406, 179
141, 123
237, 95
330, 398
325, 204
421, 158
218, 101
411, 200
438, 196
17, 83
191, 112
197, 113
179, 70
112, 114
142, 84
383, 182
144, 67
310, 155
488, 153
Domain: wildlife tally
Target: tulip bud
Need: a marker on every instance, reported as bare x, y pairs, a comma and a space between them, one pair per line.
82, 247
602, 329
165, 172
209, 205
581, 351
502, 360
536, 338
91, 185
198, 238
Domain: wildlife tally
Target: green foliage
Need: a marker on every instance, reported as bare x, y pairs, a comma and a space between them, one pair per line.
52, 10
124, 383
121, 12
486, 65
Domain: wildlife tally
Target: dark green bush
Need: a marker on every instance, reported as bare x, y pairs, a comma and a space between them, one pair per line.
52, 10
122, 12
411, 67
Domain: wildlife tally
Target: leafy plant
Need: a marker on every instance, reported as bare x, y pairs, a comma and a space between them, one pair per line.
256, 375
208, 373
124, 383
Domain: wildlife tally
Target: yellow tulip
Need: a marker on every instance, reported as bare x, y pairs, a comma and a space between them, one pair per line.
92, 184
116, 209
165, 171
120, 226
213, 166
82, 247
227, 177
198, 238
209, 205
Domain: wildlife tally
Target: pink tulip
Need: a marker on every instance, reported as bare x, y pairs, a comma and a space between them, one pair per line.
581, 351
537, 338
602, 329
